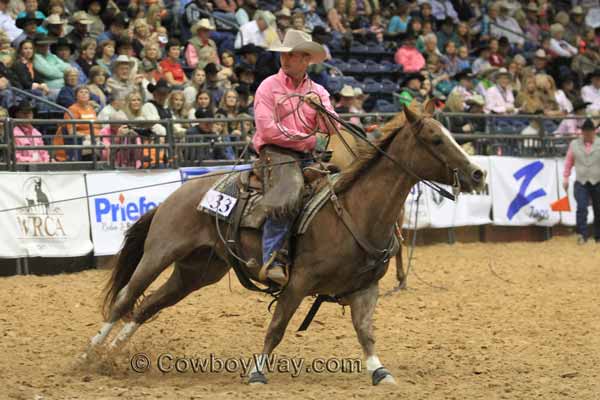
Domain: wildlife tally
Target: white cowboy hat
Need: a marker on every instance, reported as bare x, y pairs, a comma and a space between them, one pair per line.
54, 19
347, 91
204, 23
123, 59
295, 40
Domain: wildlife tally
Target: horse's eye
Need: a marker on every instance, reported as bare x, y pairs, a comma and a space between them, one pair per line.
437, 141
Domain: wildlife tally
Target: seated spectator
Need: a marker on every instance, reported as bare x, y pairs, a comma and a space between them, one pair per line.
572, 126
430, 46
540, 64
82, 109
28, 22
194, 86
150, 62
313, 19
97, 84
283, 22
499, 98
400, 20
204, 132
221, 129
532, 29
7, 23
106, 54
214, 85
591, 92
226, 67
66, 96
64, 50
170, 65
202, 104
120, 78
576, 29
558, 46
116, 28
118, 134
443, 10
408, 56
299, 22
547, 89
515, 67
49, 68
142, 36
258, 32
496, 58
440, 79
345, 101
411, 89
245, 11
451, 62
482, 61
115, 101
201, 50
95, 8
229, 106
464, 86
336, 23
463, 33
56, 26
447, 34
32, 7
156, 109
23, 68
87, 56
529, 100
464, 61
178, 111
566, 95
26, 135
81, 22
505, 25
588, 56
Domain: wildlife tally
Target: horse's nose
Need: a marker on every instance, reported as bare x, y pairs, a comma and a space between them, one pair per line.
477, 175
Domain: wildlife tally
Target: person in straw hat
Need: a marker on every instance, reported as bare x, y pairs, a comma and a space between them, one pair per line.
283, 184
499, 99
558, 45
55, 26
81, 22
201, 50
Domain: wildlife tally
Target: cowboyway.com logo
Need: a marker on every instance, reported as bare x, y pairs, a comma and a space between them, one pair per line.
40, 219
121, 214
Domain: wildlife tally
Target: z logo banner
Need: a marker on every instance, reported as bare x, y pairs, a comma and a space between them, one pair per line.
528, 172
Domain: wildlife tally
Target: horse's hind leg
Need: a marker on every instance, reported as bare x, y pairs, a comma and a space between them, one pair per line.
188, 276
362, 306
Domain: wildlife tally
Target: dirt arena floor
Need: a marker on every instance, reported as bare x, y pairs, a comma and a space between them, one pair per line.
511, 321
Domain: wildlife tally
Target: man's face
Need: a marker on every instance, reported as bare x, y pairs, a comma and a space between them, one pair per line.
295, 63
262, 25
589, 134
64, 53
539, 63
81, 28
467, 83
30, 28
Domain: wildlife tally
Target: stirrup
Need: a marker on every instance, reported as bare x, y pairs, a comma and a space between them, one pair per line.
263, 274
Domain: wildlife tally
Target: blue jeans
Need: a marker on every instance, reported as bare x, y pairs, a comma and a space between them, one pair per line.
274, 235
583, 192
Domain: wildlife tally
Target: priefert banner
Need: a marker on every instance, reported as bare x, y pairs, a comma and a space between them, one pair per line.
115, 205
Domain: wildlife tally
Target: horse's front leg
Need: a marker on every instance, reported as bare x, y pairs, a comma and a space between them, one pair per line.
362, 306
287, 304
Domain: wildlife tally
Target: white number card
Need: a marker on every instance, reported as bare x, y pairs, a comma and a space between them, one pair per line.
218, 202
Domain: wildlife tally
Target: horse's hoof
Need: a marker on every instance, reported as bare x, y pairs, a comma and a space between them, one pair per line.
382, 375
257, 378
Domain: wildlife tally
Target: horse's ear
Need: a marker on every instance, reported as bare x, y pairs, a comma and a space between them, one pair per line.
429, 107
411, 116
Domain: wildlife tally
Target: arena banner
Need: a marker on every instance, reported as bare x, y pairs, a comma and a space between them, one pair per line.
416, 208
569, 218
44, 225
114, 207
468, 209
522, 191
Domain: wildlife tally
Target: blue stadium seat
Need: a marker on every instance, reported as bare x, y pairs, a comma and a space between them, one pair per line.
359, 48
335, 84
386, 106
389, 86
375, 47
374, 66
372, 86
356, 66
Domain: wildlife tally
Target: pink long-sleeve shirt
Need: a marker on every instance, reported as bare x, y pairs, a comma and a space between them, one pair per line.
270, 91
29, 136
570, 159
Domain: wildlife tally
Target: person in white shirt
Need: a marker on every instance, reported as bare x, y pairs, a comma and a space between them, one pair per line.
440, 9
512, 31
499, 99
7, 23
559, 46
591, 93
256, 31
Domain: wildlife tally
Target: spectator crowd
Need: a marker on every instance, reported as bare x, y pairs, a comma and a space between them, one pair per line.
150, 60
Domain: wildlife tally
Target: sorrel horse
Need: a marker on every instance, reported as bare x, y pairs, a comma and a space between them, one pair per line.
327, 259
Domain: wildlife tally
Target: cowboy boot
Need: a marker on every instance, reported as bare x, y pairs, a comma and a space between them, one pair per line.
275, 270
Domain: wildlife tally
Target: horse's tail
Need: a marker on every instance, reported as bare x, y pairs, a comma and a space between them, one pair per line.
125, 263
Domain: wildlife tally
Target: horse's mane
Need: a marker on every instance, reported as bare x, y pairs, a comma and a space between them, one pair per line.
368, 155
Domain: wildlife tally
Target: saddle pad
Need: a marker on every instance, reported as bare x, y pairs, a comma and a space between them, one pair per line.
254, 216
227, 185
313, 205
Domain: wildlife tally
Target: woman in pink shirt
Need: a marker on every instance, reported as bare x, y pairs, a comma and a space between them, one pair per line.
408, 56
26, 135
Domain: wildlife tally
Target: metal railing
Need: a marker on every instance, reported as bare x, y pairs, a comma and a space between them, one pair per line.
491, 134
